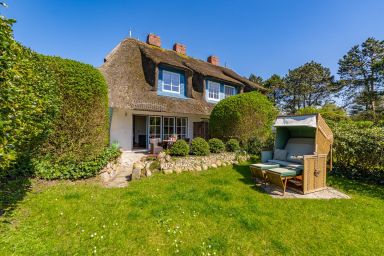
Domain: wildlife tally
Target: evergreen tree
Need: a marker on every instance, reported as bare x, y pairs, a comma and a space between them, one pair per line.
308, 85
362, 77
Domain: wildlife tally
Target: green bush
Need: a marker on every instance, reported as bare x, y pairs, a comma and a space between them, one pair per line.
179, 148
199, 147
216, 145
254, 146
359, 152
48, 168
27, 100
242, 116
232, 145
52, 110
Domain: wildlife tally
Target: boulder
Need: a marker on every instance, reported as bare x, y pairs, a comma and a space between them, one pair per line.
198, 168
214, 166
136, 173
205, 167
167, 158
167, 171
148, 173
218, 163
138, 165
161, 155
177, 170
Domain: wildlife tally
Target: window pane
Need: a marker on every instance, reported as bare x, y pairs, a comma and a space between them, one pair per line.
166, 78
167, 87
175, 79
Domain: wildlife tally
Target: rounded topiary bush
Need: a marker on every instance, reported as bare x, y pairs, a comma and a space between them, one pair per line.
216, 145
243, 116
179, 148
199, 147
232, 145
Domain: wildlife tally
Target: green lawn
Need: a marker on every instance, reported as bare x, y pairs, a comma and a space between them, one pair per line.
216, 212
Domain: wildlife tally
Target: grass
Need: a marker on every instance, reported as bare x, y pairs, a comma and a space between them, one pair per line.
216, 212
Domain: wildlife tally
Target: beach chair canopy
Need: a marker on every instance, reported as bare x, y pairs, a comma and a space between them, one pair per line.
308, 134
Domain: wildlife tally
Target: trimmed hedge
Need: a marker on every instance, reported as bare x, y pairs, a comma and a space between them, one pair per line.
242, 116
80, 129
199, 147
179, 148
53, 113
232, 145
216, 145
359, 151
28, 99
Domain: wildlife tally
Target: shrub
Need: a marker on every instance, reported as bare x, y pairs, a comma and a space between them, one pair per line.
48, 168
199, 147
232, 145
242, 116
27, 99
179, 148
254, 146
53, 110
216, 145
359, 152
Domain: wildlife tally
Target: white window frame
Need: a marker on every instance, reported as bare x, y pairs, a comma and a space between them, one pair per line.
166, 135
180, 135
210, 83
179, 85
228, 86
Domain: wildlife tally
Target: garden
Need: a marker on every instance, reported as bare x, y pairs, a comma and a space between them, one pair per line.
54, 132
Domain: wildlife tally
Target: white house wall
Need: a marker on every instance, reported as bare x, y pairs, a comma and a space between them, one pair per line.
121, 130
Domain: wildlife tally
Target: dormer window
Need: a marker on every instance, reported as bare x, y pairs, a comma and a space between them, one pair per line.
171, 82
213, 91
229, 91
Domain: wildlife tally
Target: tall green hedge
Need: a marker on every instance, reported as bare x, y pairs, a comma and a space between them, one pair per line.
242, 116
53, 113
80, 129
27, 99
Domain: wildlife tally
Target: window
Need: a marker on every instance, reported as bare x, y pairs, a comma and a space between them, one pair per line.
168, 127
229, 91
181, 127
154, 127
171, 82
213, 91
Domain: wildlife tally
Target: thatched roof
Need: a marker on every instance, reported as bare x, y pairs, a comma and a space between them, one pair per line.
130, 73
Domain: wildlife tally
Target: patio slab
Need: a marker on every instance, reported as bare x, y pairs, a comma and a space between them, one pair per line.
327, 193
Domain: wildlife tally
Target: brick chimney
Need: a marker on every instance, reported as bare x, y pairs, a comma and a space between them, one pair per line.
153, 39
213, 60
180, 48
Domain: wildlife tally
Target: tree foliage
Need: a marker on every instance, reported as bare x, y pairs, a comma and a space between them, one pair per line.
242, 116
362, 77
277, 87
330, 112
308, 85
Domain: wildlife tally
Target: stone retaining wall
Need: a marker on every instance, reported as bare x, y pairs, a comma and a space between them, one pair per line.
168, 164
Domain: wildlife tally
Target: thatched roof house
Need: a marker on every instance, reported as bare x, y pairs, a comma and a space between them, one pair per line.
137, 72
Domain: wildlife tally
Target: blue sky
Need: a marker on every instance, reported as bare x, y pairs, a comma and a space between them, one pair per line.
261, 37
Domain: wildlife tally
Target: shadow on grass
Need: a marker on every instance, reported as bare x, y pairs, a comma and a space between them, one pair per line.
358, 187
12, 190
243, 169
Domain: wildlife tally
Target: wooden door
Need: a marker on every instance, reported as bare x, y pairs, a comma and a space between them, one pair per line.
200, 129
